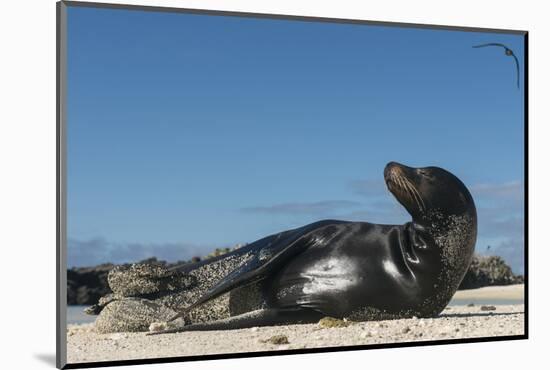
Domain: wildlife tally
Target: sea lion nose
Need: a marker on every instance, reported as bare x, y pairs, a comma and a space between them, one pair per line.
392, 168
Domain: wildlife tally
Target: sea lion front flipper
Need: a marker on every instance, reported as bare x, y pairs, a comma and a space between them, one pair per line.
263, 317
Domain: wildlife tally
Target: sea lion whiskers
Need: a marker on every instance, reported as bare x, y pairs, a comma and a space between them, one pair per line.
399, 182
418, 197
412, 194
406, 186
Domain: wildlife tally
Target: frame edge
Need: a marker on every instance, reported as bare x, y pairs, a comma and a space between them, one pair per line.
61, 185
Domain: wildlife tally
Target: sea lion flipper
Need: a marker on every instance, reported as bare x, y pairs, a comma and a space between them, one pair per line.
267, 258
253, 271
263, 317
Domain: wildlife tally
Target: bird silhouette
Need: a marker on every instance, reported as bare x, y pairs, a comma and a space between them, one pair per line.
507, 52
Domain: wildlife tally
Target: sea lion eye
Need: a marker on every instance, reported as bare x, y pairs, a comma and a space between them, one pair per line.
425, 173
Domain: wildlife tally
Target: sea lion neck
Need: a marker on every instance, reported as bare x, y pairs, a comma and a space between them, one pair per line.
439, 222
455, 236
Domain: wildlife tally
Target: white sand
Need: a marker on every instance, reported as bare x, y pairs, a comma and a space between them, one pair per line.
491, 293
84, 345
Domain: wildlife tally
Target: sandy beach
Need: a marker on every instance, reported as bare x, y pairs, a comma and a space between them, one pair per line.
456, 321
496, 293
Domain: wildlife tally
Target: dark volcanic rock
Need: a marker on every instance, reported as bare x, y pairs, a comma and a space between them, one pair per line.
487, 271
85, 285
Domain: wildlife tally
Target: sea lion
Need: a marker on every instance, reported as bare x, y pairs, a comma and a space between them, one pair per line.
354, 270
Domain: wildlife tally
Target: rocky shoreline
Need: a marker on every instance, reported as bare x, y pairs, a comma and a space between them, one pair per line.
85, 285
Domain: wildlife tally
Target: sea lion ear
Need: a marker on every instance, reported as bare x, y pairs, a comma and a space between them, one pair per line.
462, 198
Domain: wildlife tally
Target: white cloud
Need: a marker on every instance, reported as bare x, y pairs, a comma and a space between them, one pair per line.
501, 217
512, 190
369, 187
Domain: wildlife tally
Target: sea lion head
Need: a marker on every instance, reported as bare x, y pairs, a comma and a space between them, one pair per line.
429, 192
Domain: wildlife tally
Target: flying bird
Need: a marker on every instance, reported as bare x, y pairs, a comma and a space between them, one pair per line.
507, 52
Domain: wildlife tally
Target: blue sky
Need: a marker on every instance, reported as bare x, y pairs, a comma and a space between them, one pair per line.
190, 132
